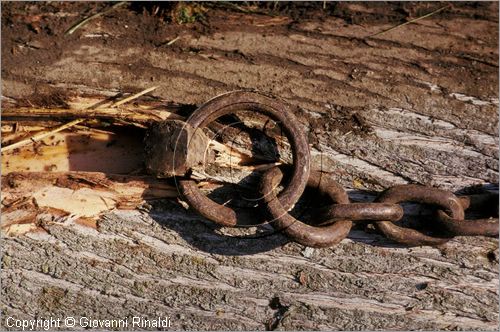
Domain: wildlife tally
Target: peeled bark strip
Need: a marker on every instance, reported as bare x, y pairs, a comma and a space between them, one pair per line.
418, 104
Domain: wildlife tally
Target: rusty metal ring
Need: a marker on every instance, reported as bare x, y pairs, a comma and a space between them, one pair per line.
322, 236
484, 227
245, 100
363, 212
419, 194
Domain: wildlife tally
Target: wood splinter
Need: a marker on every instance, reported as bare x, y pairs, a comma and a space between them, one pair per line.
79, 172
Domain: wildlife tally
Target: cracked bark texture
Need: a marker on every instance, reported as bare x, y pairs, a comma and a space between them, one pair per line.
417, 104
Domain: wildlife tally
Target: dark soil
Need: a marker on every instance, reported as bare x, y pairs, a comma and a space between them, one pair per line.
33, 33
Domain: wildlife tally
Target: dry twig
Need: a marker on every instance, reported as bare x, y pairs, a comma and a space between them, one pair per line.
134, 96
78, 25
38, 137
410, 21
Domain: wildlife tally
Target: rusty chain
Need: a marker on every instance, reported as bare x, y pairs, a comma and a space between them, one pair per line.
337, 218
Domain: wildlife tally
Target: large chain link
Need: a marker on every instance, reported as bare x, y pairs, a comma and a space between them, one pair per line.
335, 219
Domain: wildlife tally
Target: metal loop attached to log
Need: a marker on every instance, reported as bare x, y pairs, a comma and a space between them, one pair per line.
244, 100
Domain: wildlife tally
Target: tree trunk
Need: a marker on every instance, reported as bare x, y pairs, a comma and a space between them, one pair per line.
417, 104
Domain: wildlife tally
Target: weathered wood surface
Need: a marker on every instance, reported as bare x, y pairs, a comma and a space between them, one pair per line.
417, 104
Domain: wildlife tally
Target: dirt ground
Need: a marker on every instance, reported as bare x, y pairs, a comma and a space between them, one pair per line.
33, 39
381, 106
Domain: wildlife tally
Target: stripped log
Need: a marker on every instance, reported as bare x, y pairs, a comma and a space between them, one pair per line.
417, 104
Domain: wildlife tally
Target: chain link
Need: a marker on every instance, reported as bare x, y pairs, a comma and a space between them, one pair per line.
484, 226
300, 232
419, 194
363, 212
